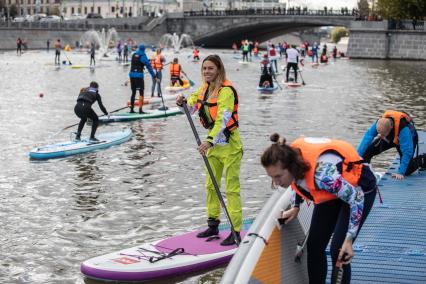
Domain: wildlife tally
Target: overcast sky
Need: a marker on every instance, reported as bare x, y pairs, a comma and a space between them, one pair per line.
315, 4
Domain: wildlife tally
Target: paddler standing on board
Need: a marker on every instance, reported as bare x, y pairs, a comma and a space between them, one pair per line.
83, 109
138, 63
292, 62
217, 105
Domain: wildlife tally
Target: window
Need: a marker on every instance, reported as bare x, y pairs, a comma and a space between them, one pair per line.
79, 10
99, 10
91, 9
85, 10
72, 10
112, 9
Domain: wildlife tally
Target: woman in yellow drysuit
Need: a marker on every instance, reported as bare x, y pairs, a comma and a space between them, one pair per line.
217, 104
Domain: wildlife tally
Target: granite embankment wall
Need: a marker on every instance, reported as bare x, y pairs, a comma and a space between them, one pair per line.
374, 40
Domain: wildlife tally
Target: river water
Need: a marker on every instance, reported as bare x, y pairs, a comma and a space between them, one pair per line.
57, 213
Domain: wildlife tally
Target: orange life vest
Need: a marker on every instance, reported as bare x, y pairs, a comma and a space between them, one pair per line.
175, 70
156, 62
396, 116
211, 103
311, 150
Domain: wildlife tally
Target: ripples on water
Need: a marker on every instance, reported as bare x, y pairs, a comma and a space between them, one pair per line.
57, 213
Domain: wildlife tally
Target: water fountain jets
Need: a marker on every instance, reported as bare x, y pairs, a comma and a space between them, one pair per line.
103, 40
176, 42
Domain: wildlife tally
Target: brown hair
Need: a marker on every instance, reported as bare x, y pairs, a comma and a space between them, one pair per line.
288, 157
221, 76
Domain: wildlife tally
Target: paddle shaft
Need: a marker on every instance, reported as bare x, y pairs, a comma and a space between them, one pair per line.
72, 125
301, 77
69, 61
209, 169
276, 82
161, 94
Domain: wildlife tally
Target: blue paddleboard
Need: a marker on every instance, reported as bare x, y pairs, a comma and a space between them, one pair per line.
69, 148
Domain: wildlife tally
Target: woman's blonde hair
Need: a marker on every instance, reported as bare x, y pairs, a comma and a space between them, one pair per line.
221, 76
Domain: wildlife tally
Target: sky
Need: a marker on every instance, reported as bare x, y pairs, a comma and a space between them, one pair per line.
319, 4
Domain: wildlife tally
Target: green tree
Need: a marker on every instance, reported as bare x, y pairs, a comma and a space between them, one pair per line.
13, 11
401, 9
364, 8
337, 33
55, 11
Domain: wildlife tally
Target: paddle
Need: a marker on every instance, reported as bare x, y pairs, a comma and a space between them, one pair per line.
209, 169
191, 83
72, 125
301, 77
276, 82
69, 61
162, 100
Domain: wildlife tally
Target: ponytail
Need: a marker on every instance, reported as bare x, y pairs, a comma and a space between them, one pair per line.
279, 153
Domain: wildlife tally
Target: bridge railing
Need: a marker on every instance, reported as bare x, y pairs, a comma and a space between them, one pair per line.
272, 12
145, 24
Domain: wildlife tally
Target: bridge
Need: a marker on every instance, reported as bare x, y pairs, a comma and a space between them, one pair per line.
212, 29
221, 29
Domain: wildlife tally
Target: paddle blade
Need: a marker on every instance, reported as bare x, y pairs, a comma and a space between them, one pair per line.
191, 83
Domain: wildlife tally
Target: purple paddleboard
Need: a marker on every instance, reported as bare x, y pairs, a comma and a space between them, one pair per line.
164, 258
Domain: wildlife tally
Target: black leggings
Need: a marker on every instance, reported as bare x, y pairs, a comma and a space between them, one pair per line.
175, 79
294, 66
332, 218
376, 147
84, 110
266, 77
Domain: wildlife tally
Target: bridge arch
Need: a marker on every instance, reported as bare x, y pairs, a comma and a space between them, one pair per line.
221, 31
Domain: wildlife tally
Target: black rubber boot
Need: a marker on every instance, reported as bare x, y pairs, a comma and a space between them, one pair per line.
229, 241
77, 137
131, 110
212, 230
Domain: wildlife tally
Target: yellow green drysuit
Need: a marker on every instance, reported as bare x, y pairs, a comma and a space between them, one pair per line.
223, 156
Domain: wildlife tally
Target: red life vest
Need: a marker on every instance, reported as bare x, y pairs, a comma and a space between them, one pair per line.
175, 70
396, 116
272, 52
311, 150
196, 52
211, 103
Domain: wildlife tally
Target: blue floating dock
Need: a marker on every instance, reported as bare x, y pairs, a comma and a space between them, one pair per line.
391, 246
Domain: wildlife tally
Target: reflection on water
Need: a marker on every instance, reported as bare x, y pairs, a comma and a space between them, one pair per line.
57, 213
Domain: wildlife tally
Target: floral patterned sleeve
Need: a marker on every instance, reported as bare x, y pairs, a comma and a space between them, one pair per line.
328, 178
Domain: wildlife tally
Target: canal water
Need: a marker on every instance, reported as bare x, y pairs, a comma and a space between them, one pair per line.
55, 214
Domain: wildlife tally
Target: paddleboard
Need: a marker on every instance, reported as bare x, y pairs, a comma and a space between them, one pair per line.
292, 84
244, 62
267, 253
127, 116
174, 89
125, 64
163, 258
155, 100
264, 90
69, 148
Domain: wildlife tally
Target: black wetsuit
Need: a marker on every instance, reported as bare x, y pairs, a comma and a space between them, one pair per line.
92, 55
136, 83
126, 53
83, 109
266, 75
